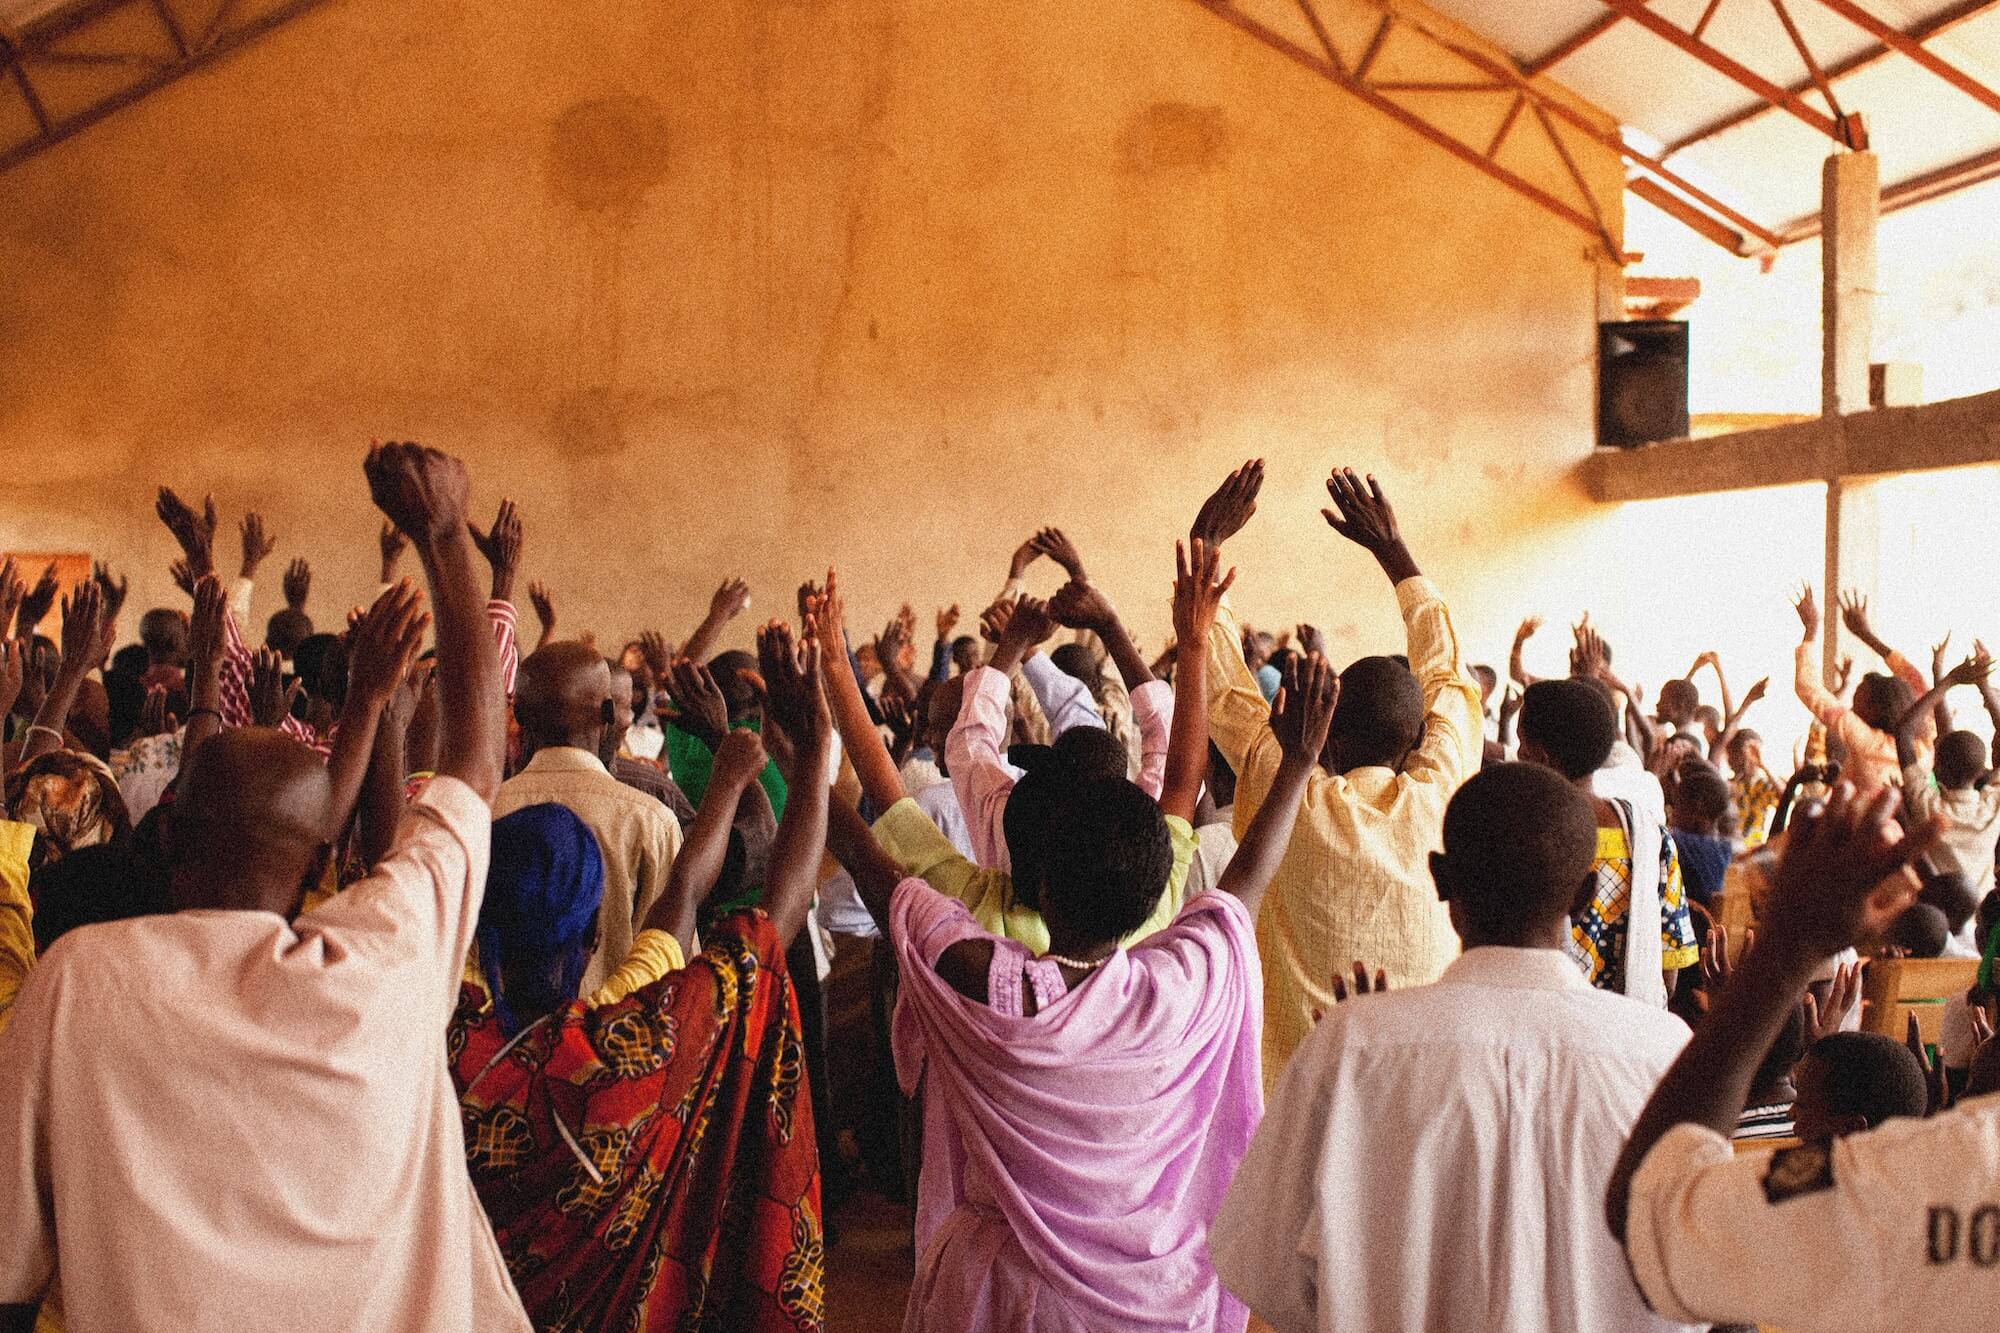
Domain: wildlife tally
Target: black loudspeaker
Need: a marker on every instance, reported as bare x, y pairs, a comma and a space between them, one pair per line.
1642, 382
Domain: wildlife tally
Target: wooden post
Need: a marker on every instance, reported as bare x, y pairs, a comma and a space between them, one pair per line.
1850, 202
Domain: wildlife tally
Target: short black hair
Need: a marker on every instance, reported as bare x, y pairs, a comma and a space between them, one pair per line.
1701, 787
1090, 752
1880, 700
1380, 713
1951, 893
725, 666
1571, 723
1679, 699
1109, 855
287, 629
1960, 758
311, 661
1077, 661
1921, 930
1871, 1075
1519, 843
1024, 822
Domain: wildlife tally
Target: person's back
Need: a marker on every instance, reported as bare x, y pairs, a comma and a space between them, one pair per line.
1434, 1158
564, 706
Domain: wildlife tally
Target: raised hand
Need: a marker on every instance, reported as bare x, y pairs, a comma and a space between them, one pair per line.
1843, 671
947, 620
393, 543
501, 545
1972, 671
993, 620
828, 619
1938, 651
12, 592
704, 712
194, 532
893, 647
795, 700
155, 719
114, 592
1052, 543
545, 610
730, 600
1024, 555
1028, 628
1808, 608
1078, 605
738, 761
1845, 875
1363, 515
257, 542
1527, 630
1936, 1088
1310, 639
83, 628
1363, 984
182, 576
382, 645
1756, 693
298, 584
206, 641
270, 698
1841, 997
1302, 714
1197, 590
36, 603
1854, 615
1223, 514
422, 490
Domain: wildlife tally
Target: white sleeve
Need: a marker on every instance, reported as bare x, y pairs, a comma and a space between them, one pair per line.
1064, 699
1264, 1238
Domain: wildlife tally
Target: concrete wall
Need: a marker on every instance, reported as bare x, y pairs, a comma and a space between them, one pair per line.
745, 286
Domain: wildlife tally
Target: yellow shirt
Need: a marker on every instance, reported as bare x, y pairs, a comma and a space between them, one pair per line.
17, 936
654, 954
1355, 883
914, 843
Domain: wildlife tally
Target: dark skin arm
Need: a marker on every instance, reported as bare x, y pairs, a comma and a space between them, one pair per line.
82, 647
1197, 596
1972, 671
1515, 670
880, 781
1366, 519
1301, 718
1844, 879
381, 808
795, 703
501, 545
206, 649
424, 492
1081, 606
727, 603
382, 644
194, 532
706, 845
1732, 721
1028, 627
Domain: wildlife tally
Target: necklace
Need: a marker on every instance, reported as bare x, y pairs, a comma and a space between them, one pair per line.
1078, 964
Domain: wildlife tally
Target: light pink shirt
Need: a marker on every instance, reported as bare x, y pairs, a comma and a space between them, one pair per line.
976, 753
226, 1120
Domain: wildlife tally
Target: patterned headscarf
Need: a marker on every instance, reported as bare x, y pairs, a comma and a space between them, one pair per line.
72, 798
543, 889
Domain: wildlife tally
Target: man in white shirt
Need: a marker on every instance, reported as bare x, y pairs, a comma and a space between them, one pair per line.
1432, 1157
1896, 1227
228, 1118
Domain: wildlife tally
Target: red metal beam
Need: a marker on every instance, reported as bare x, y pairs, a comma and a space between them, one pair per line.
1321, 66
1319, 31
1506, 124
1571, 44
1679, 209
1813, 70
1899, 41
1963, 12
1728, 68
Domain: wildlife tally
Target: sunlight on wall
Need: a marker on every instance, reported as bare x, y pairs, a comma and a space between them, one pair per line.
1754, 336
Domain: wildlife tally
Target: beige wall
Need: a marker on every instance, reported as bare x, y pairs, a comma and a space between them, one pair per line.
744, 286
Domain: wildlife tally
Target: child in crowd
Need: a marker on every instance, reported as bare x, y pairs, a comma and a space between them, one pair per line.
1696, 809
1852, 1081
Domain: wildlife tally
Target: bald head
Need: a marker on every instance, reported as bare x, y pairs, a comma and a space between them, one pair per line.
250, 818
562, 696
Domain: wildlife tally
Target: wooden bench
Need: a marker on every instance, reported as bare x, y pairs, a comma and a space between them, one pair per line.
1895, 988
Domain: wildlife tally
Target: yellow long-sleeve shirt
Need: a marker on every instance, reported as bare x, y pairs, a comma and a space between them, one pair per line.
1355, 883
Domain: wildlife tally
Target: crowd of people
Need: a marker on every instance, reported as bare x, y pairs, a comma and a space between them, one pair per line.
384, 978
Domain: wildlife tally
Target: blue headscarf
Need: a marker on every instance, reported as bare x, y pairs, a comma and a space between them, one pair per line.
543, 888
1268, 681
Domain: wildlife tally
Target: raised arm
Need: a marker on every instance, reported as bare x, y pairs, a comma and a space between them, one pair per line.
1845, 876
382, 644
424, 492
1079, 605
544, 603
207, 647
1198, 594
382, 791
1238, 717
796, 703
730, 601
1854, 615
705, 846
1972, 671
501, 545
1732, 721
82, 648
880, 782
1808, 680
1302, 718
1515, 671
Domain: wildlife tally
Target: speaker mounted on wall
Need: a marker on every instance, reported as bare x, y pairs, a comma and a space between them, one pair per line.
1642, 382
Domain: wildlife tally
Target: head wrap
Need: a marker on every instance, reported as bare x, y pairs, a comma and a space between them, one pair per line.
72, 799
1269, 678
543, 889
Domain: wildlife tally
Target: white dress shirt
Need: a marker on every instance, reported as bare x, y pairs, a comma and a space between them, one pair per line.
1436, 1158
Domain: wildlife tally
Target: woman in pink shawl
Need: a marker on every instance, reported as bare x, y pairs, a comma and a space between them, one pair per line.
1096, 1101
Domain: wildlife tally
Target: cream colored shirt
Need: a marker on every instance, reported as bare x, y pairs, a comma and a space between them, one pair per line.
637, 837
17, 913
1971, 825
1897, 1228
1355, 883
222, 1119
